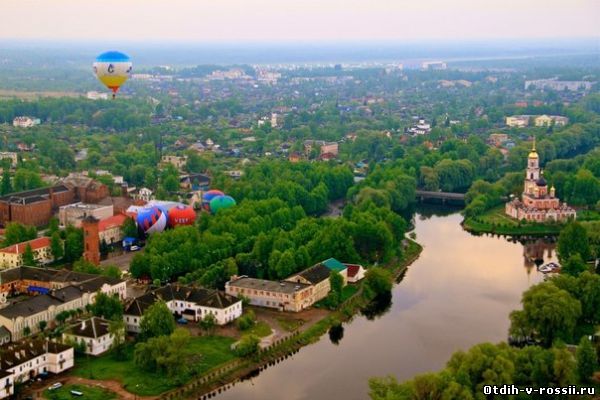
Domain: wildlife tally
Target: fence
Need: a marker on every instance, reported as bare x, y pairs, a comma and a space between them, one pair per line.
200, 387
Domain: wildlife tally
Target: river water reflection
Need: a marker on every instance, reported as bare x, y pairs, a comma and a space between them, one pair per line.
458, 293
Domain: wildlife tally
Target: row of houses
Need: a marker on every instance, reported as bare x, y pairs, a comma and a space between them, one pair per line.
47, 293
521, 121
297, 292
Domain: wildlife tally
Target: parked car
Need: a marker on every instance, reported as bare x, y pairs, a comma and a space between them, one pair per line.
55, 386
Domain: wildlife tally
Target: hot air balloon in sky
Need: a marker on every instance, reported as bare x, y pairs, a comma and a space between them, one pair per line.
112, 69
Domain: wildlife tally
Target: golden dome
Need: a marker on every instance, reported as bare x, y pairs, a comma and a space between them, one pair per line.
533, 153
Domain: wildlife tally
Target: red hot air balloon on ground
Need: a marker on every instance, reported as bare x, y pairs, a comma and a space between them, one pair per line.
181, 215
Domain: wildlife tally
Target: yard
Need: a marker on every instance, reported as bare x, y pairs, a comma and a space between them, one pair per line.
260, 329
89, 393
215, 350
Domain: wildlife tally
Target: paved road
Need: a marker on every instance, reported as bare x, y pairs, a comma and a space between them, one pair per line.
122, 261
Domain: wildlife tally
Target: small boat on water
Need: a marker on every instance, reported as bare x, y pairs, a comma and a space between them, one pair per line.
548, 268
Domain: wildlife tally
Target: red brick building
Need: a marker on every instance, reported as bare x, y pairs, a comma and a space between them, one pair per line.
36, 207
91, 240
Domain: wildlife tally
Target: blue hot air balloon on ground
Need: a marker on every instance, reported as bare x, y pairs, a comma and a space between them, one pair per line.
152, 219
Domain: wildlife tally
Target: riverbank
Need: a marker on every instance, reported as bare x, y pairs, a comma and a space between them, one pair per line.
225, 376
497, 222
218, 366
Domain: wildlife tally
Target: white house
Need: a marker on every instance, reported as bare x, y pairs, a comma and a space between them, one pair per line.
356, 272
93, 333
186, 302
20, 362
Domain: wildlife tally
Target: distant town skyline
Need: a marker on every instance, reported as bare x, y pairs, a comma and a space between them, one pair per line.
306, 21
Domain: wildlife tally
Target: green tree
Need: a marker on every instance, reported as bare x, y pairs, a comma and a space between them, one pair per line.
157, 321
116, 329
247, 346
73, 244
548, 314
573, 240
574, 265
107, 307
112, 271
53, 226
587, 360
208, 323
6, 186
28, 257
378, 281
86, 267
129, 228
18, 233
56, 246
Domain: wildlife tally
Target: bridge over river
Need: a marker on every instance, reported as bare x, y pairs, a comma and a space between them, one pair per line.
444, 197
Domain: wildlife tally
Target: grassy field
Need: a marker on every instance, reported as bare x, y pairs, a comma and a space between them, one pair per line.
289, 324
496, 221
215, 350
260, 329
348, 291
89, 393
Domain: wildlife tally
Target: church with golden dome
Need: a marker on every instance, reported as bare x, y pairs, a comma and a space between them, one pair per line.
537, 203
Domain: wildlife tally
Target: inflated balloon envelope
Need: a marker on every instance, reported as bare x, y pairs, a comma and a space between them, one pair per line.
113, 68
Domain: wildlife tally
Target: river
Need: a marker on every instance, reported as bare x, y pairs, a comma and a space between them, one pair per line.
458, 293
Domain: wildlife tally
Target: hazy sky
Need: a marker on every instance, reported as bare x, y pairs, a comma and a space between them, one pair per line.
297, 20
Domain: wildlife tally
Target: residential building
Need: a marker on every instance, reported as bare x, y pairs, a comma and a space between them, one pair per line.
93, 333
194, 181
12, 256
110, 230
191, 303
177, 161
497, 139
34, 207
20, 362
537, 204
9, 155
433, 65
518, 121
93, 95
557, 85
324, 147
143, 194
547, 120
25, 122
355, 272
318, 277
295, 293
73, 214
283, 296
276, 120
87, 190
51, 291
420, 128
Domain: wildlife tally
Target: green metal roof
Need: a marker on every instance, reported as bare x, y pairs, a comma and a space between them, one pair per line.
334, 264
